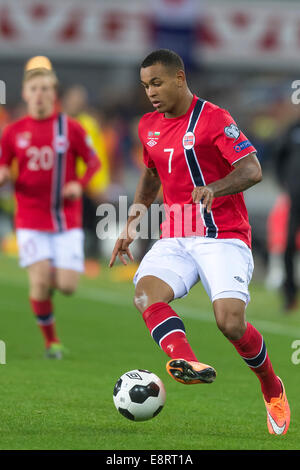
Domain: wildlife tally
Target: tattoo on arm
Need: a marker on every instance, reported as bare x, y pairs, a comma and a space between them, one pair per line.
147, 188
246, 173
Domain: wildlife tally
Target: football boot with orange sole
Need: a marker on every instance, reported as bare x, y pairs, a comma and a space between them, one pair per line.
190, 372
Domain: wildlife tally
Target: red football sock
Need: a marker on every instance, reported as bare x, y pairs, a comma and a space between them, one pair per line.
251, 347
43, 311
167, 329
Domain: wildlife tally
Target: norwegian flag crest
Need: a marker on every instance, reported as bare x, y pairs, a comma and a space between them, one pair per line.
188, 141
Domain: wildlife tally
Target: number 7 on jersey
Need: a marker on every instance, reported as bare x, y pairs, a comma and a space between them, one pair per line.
171, 151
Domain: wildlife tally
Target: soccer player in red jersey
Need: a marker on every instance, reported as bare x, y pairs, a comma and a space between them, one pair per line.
196, 151
46, 145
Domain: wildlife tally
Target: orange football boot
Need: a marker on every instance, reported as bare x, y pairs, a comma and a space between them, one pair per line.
278, 413
190, 372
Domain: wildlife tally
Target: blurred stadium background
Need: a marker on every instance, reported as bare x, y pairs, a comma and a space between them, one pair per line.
242, 55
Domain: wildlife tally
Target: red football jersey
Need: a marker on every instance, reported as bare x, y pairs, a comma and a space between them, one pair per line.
192, 150
46, 151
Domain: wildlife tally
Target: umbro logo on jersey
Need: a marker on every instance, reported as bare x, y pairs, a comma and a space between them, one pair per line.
152, 138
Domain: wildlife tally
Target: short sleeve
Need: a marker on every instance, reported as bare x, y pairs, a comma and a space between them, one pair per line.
146, 157
147, 160
230, 140
7, 152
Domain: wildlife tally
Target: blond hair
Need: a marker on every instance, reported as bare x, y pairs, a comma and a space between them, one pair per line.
40, 72
39, 66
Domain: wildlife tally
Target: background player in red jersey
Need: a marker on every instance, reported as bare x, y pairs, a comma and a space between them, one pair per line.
46, 145
204, 163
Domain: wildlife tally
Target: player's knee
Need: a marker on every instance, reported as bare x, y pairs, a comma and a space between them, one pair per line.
150, 290
231, 323
67, 289
227, 328
141, 301
39, 289
144, 298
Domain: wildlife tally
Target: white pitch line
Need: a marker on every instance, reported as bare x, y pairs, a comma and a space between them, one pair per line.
98, 294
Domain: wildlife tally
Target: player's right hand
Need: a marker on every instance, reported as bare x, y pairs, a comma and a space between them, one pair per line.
121, 249
5, 174
72, 190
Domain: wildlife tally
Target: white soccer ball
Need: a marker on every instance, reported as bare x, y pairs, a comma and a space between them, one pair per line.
139, 395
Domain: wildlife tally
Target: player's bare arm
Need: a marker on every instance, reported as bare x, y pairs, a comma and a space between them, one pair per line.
146, 192
5, 174
247, 173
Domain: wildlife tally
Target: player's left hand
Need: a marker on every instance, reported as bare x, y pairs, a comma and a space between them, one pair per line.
204, 194
72, 190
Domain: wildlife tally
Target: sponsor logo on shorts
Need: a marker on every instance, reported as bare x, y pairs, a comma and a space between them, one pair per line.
239, 279
29, 248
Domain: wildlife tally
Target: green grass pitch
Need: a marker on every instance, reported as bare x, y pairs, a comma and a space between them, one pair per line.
68, 404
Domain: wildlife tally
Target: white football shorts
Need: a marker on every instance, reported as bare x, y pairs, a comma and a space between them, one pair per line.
224, 266
65, 249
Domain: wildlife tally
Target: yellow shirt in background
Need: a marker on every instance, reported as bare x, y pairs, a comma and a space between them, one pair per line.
101, 179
